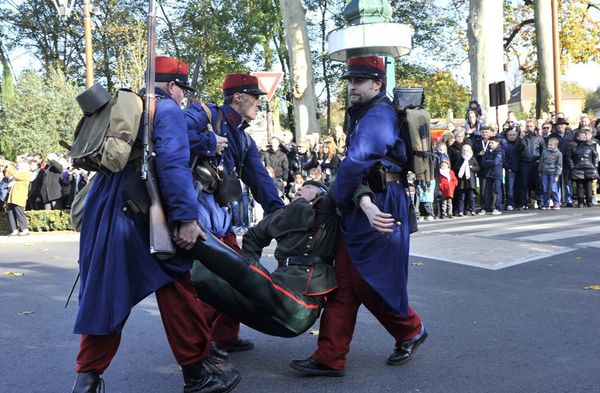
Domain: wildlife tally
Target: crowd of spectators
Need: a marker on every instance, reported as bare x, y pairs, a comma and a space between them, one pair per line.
316, 157
34, 182
527, 164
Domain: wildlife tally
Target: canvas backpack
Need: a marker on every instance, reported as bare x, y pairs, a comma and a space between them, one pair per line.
415, 130
104, 139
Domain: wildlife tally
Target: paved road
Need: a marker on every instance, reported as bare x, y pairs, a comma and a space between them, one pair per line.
510, 316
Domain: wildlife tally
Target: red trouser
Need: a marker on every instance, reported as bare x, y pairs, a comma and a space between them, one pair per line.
185, 325
339, 317
225, 329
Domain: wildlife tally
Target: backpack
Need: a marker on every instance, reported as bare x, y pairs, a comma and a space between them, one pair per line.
105, 135
415, 130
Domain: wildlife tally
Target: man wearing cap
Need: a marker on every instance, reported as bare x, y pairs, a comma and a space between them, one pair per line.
241, 103
116, 267
372, 258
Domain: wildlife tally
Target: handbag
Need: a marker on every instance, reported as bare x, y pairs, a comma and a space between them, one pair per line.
376, 178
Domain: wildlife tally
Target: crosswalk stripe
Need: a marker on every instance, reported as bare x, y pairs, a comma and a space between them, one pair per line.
545, 237
456, 227
557, 222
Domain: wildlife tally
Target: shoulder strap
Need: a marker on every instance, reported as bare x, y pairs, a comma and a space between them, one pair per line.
209, 126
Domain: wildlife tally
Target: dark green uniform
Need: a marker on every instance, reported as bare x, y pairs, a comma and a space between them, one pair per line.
288, 301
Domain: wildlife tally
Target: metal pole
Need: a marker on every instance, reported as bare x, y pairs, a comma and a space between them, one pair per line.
390, 71
269, 119
556, 57
89, 59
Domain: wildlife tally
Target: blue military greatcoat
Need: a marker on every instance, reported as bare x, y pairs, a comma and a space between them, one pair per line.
117, 269
241, 154
381, 259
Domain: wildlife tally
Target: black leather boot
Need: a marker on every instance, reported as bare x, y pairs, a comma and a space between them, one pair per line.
88, 383
210, 376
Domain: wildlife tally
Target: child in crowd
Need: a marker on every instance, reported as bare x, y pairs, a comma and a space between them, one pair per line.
448, 183
467, 180
426, 193
440, 153
492, 163
550, 169
583, 161
295, 186
315, 174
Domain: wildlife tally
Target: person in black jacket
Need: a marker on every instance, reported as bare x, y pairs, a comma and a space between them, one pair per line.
511, 168
467, 180
583, 162
51, 191
492, 163
530, 147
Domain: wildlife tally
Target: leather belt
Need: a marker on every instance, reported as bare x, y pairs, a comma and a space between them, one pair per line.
308, 260
393, 177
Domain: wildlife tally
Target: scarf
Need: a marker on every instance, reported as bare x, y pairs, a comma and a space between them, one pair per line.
446, 173
464, 168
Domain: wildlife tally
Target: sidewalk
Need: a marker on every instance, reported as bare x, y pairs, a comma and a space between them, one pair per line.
59, 236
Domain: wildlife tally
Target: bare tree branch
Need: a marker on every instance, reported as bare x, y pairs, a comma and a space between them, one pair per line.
508, 40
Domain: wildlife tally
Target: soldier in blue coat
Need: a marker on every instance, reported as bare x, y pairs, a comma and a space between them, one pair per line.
239, 159
372, 259
117, 269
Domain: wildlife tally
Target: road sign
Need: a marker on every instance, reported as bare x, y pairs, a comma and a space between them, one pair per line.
268, 81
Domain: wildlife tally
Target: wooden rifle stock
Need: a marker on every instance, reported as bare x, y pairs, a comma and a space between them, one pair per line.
160, 237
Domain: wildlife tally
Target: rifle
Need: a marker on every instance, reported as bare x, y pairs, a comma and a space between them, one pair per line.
194, 81
160, 237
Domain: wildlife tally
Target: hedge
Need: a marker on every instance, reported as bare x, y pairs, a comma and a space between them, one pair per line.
41, 221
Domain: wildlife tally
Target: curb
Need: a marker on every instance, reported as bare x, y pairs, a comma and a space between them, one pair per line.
47, 237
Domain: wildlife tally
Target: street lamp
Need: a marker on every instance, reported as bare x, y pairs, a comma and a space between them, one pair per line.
64, 8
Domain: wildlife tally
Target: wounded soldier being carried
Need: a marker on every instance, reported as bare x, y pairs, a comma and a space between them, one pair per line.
288, 301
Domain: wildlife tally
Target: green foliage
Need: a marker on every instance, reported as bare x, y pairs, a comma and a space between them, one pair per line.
43, 112
592, 100
442, 91
59, 44
579, 34
42, 221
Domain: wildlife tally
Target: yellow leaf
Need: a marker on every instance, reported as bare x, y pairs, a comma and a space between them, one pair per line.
17, 274
54, 257
44, 249
593, 287
578, 258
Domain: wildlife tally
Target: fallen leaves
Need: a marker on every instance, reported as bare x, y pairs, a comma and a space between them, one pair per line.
16, 274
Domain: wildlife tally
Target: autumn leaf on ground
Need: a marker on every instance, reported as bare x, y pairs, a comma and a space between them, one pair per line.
313, 332
26, 313
16, 274
54, 257
593, 287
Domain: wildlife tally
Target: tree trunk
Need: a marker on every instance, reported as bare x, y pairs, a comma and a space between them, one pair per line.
323, 5
303, 90
486, 53
543, 32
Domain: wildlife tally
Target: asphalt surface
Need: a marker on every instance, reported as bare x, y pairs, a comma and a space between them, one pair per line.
530, 327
